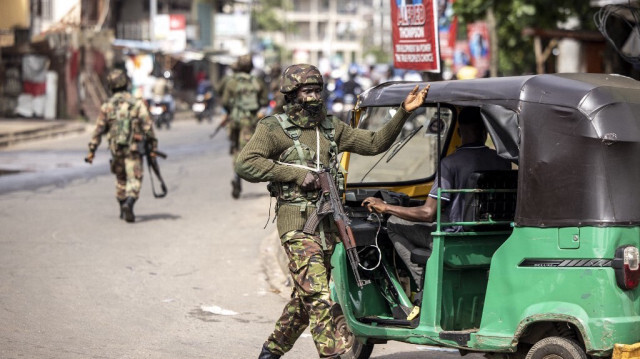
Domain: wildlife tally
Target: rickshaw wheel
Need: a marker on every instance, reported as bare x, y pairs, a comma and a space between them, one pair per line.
355, 349
556, 348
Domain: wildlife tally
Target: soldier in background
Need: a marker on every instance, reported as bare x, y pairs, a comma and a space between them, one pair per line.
276, 97
288, 149
126, 122
243, 96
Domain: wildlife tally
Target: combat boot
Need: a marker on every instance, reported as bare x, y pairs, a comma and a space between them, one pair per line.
127, 209
121, 201
236, 187
266, 354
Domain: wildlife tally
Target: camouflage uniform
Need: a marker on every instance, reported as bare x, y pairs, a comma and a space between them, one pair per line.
126, 161
274, 89
242, 121
310, 301
268, 157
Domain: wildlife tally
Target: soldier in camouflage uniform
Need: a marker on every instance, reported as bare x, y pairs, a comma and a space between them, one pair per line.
243, 96
126, 122
274, 88
288, 150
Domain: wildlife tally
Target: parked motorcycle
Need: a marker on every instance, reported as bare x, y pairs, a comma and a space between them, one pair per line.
160, 113
203, 107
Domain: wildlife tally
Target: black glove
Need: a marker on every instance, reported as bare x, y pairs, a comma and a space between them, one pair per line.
89, 158
311, 181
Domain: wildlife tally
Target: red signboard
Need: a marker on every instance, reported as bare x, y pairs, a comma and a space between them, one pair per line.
415, 35
177, 22
479, 46
447, 29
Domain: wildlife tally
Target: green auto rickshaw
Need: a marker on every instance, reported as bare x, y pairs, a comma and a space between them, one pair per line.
547, 265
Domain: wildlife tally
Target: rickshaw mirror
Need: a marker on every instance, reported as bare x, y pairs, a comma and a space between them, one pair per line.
436, 125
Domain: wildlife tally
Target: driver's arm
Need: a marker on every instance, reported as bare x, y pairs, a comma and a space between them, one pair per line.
424, 213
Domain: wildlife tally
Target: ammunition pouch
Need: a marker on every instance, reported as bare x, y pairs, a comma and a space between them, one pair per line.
291, 192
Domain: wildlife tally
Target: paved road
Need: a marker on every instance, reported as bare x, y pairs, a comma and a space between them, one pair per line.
185, 281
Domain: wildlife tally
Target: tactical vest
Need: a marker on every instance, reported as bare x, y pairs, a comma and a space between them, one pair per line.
300, 155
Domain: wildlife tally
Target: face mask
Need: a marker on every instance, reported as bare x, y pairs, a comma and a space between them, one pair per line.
300, 113
313, 106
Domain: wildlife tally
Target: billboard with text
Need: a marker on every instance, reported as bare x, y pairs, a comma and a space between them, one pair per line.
415, 35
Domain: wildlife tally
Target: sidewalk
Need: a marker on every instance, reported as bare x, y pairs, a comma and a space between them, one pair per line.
16, 130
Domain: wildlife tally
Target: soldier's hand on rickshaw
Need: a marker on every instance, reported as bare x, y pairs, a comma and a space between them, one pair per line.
375, 204
311, 181
415, 98
89, 158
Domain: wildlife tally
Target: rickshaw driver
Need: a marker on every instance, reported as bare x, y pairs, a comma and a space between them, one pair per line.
406, 227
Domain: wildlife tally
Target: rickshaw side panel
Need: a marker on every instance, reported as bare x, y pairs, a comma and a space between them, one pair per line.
519, 294
465, 273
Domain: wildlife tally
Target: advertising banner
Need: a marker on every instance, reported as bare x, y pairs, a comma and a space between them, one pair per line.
415, 35
447, 29
479, 46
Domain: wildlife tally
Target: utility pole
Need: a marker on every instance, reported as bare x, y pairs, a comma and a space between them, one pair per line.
493, 40
153, 7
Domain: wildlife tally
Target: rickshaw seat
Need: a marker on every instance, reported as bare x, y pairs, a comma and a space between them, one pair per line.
497, 206
420, 255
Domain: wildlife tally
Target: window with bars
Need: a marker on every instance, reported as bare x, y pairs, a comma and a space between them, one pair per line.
45, 8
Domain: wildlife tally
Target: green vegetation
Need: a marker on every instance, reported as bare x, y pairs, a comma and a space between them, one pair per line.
516, 55
266, 17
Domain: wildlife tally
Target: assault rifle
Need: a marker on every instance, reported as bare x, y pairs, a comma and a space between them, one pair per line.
330, 203
220, 127
152, 165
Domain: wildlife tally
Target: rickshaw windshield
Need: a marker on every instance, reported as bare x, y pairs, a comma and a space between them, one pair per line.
412, 157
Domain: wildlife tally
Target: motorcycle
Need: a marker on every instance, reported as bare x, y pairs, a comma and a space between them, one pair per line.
160, 113
203, 108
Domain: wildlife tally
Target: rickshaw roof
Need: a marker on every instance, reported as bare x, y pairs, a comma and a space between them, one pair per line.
567, 90
575, 137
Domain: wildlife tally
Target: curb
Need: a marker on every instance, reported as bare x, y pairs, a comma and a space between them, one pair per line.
49, 129
274, 264
38, 133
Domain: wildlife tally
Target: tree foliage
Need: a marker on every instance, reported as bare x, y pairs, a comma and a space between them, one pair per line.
266, 15
516, 54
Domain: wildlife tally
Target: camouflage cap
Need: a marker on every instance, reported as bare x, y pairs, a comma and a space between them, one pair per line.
117, 78
301, 74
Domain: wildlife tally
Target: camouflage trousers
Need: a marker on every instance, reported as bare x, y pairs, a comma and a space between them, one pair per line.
310, 304
128, 170
240, 133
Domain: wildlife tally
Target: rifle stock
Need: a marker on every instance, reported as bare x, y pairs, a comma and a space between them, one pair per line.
220, 127
154, 168
330, 203
161, 154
